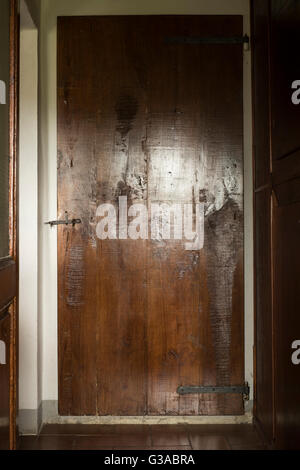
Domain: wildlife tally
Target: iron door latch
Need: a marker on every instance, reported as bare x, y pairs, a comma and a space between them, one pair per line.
67, 221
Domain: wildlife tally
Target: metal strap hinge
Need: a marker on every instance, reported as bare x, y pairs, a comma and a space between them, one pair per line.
236, 389
194, 40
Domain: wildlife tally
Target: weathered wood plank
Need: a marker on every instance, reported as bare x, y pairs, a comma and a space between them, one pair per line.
150, 121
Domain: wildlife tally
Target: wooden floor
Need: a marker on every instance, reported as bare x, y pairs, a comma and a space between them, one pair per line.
163, 437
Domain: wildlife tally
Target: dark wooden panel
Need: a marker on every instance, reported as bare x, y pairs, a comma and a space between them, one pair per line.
285, 35
8, 282
288, 192
263, 406
141, 118
277, 255
261, 95
286, 172
287, 324
263, 307
286, 169
4, 130
5, 382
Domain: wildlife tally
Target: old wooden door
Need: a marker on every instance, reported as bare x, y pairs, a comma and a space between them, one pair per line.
150, 117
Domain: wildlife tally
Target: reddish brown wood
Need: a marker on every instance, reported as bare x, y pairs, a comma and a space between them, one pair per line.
148, 120
7, 282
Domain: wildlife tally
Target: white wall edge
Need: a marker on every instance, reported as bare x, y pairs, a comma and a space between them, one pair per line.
28, 217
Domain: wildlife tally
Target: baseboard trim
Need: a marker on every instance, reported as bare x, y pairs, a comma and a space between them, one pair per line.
32, 422
245, 419
28, 422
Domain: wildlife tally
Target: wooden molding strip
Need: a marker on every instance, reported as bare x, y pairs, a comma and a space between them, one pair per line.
7, 282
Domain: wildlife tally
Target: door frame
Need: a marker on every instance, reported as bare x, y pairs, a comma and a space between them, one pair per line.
48, 176
9, 265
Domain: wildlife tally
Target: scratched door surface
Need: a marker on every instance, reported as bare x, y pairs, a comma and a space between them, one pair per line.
146, 115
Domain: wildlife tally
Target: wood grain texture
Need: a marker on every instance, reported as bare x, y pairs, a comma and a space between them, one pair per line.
151, 121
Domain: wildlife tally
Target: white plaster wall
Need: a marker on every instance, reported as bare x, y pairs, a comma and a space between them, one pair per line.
28, 218
47, 173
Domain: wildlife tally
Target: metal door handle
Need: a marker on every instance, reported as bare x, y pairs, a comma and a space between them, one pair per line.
67, 221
